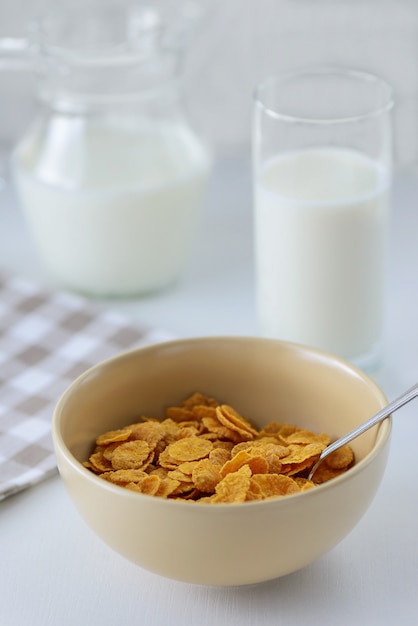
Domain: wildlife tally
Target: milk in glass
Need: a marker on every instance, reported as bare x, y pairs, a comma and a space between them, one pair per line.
321, 223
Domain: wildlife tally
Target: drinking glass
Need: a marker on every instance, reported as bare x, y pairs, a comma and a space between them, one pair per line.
322, 167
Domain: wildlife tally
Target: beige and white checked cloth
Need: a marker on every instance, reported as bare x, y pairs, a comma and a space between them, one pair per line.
47, 338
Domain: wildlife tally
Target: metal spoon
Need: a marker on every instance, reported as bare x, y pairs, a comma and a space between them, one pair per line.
393, 406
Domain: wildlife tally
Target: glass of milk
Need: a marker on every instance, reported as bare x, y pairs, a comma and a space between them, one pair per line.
322, 158
111, 176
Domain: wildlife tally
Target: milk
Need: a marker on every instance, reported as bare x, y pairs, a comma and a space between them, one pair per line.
112, 207
321, 221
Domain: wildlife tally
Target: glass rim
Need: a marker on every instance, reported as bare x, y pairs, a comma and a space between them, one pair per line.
318, 71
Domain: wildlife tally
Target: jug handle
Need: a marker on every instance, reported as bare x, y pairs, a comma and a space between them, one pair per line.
14, 54
13, 57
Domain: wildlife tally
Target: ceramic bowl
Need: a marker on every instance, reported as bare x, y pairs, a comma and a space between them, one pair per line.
265, 380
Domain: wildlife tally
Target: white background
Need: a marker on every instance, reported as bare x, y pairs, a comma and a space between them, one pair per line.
239, 42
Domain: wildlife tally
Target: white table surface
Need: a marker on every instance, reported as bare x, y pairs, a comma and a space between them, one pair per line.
55, 571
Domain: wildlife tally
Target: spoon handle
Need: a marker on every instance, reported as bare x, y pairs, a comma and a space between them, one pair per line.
393, 406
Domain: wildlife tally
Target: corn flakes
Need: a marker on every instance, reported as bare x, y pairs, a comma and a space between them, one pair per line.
207, 452
130, 455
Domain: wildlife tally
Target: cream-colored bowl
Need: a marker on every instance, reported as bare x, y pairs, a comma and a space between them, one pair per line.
265, 380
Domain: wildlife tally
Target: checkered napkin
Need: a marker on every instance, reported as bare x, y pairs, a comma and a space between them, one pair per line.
46, 340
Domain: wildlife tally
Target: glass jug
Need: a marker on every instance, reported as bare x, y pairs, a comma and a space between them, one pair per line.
110, 175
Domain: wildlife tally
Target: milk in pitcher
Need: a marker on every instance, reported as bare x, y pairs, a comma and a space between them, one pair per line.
112, 207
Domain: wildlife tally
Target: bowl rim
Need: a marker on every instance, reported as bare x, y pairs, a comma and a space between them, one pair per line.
382, 435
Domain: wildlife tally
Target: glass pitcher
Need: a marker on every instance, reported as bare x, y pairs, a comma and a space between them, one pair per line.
110, 175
